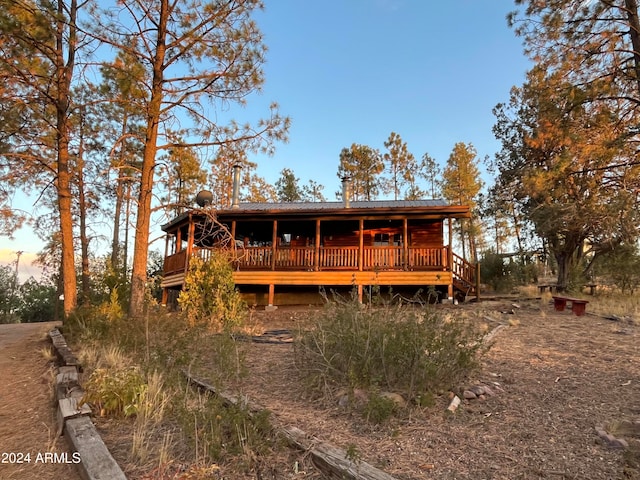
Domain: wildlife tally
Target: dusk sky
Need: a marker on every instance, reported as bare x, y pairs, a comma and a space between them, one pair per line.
353, 71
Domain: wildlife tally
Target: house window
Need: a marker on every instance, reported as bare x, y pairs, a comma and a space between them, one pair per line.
381, 239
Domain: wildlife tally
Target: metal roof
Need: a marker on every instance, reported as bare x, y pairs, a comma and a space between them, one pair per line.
307, 206
437, 207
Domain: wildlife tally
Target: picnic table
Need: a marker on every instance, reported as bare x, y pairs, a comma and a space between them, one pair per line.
578, 305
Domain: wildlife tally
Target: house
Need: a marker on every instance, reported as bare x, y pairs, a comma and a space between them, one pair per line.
281, 250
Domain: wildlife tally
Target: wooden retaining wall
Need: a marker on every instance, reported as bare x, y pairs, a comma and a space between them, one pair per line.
74, 421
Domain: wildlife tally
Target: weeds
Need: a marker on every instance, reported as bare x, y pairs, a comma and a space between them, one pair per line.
216, 430
123, 358
394, 347
151, 410
116, 391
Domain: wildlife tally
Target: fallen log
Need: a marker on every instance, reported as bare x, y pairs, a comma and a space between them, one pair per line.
331, 461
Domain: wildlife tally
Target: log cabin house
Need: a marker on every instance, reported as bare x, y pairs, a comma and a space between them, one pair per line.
282, 250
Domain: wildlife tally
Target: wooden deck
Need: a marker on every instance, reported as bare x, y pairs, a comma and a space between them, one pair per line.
330, 278
337, 266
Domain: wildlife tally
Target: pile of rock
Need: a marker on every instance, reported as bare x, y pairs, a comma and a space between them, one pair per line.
478, 392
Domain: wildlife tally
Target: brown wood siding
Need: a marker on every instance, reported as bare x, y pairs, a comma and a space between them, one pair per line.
347, 240
429, 235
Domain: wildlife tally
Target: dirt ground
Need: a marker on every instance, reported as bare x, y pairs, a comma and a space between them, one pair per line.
555, 377
27, 414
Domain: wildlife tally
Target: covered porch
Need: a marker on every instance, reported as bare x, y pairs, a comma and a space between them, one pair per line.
325, 244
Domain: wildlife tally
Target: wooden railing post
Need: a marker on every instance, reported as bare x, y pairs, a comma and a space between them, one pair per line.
361, 243
274, 246
405, 243
316, 261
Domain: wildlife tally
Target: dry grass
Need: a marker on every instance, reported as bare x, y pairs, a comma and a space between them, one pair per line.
148, 421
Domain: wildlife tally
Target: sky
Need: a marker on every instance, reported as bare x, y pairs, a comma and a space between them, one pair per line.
353, 71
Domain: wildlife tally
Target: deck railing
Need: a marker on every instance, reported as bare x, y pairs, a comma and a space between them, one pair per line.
175, 263
329, 258
464, 272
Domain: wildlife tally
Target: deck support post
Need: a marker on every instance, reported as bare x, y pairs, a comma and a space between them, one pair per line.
360, 289
165, 296
190, 240
272, 289
478, 281
450, 249
450, 260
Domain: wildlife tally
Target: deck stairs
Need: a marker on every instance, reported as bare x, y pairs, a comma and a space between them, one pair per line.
464, 276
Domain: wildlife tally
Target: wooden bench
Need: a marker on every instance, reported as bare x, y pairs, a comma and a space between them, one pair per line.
578, 306
551, 286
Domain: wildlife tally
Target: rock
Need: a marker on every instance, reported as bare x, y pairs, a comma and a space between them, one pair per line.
478, 390
469, 395
482, 398
360, 396
619, 443
601, 432
488, 392
395, 398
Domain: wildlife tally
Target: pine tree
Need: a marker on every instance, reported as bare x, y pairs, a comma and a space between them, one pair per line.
41, 43
287, 188
401, 165
363, 165
196, 55
461, 184
564, 166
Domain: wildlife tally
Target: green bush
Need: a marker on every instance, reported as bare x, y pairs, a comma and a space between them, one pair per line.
394, 347
209, 296
116, 391
379, 409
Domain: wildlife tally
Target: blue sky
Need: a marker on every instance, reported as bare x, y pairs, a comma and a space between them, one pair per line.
353, 71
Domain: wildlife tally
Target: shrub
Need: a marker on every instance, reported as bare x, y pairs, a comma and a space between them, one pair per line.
218, 430
209, 296
394, 347
116, 391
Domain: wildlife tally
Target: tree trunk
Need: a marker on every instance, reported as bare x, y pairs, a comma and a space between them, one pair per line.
143, 219
631, 7
115, 242
565, 264
85, 277
68, 268
64, 72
